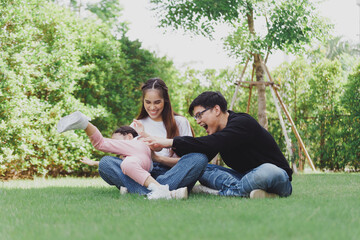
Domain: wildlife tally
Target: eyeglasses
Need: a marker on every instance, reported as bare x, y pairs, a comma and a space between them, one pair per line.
199, 114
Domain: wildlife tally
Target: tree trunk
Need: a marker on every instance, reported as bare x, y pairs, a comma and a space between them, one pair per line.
261, 93
262, 118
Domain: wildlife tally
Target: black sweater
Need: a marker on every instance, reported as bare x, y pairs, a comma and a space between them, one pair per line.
243, 145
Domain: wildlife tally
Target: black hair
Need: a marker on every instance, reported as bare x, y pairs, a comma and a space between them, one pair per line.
209, 99
124, 130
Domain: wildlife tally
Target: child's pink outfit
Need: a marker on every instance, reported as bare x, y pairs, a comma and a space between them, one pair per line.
137, 162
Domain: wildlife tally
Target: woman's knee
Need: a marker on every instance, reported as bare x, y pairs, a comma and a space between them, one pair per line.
108, 162
196, 159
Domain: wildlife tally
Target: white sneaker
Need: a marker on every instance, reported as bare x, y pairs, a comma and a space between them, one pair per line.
76, 120
158, 191
258, 193
180, 193
123, 190
203, 189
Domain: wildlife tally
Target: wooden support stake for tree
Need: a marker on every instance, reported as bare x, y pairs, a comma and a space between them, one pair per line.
283, 127
297, 135
259, 83
250, 91
238, 85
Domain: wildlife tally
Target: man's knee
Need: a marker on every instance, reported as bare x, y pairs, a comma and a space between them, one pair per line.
268, 174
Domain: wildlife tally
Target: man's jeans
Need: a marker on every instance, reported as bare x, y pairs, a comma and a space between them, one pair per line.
229, 182
184, 174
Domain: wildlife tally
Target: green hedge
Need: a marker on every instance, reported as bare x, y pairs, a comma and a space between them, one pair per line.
53, 63
323, 100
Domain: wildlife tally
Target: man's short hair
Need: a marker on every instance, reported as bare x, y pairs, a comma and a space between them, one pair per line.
124, 130
209, 99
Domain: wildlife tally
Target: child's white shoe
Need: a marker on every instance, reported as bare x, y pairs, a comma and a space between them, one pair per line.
76, 120
163, 192
259, 193
123, 190
180, 193
203, 189
158, 191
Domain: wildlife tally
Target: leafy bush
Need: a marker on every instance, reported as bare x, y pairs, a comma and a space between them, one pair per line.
325, 114
39, 71
53, 63
351, 131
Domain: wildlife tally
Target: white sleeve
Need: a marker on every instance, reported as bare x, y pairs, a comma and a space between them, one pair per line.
184, 126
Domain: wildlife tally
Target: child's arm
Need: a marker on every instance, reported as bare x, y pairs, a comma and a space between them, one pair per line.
89, 162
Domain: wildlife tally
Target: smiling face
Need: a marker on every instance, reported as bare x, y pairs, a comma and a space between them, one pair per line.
206, 119
211, 119
154, 104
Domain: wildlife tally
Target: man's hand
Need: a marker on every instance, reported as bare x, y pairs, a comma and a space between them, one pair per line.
89, 162
158, 142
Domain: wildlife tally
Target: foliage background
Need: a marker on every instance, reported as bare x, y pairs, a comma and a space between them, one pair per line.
53, 63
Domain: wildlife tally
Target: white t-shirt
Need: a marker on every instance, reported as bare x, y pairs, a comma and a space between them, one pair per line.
158, 129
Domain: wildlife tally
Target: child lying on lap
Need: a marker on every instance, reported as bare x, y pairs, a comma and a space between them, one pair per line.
137, 162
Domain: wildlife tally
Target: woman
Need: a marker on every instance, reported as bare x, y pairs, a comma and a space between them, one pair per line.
157, 118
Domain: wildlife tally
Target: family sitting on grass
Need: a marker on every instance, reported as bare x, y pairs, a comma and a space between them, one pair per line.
162, 159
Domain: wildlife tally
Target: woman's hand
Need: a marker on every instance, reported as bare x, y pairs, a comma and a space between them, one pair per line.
155, 157
89, 162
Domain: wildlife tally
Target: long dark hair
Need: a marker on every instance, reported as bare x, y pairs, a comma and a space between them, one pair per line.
167, 114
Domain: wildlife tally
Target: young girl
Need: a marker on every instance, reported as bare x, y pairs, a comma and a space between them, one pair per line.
157, 118
124, 141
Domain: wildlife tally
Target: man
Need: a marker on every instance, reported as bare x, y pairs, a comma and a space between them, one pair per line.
257, 168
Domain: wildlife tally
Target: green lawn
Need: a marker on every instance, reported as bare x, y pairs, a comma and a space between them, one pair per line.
323, 206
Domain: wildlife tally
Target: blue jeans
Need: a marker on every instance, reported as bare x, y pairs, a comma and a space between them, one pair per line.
229, 182
184, 174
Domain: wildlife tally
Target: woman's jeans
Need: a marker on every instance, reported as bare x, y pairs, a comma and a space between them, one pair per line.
229, 182
184, 174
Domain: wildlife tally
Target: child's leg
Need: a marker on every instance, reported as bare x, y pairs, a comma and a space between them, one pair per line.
110, 171
150, 180
90, 129
132, 167
76, 120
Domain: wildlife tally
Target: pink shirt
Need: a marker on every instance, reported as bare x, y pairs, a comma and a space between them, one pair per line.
126, 148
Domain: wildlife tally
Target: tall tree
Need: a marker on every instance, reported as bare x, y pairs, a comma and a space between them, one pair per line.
289, 26
336, 48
